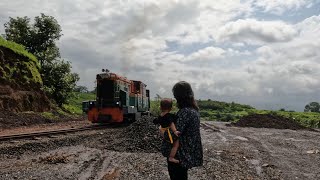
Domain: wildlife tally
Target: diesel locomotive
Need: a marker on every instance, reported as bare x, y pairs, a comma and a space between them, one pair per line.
118, 99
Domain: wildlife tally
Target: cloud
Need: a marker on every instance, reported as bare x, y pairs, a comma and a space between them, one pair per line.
208, 53
279, 7
220, 47
253, 31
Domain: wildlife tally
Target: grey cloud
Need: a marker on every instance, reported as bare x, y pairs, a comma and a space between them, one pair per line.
159, 64
183, 13
141, 69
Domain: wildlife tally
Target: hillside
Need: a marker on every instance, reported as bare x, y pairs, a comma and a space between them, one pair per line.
232, 112
20, 80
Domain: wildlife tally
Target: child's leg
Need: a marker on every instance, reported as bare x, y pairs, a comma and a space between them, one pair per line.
173, 152
162, 131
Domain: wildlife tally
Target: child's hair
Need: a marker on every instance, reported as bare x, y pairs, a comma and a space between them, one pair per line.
166, 104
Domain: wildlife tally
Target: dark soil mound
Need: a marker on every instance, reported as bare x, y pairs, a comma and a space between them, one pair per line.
268, 121
12, 120
140, 136
19, 101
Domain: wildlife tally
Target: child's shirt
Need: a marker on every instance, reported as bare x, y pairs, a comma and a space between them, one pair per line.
165, 120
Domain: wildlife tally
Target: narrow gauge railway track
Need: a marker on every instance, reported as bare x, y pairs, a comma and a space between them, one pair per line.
55, 132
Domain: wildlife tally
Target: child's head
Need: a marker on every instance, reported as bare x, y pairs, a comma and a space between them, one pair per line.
166, 104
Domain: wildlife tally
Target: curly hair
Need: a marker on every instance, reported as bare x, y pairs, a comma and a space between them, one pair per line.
166, 104
183, 93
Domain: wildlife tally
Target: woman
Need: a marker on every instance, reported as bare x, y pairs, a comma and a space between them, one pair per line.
188, 123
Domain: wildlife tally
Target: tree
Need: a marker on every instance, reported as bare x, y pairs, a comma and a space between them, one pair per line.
39, 38
62, 82
158, 97
312, 107
94, 90
18, 30
81, 89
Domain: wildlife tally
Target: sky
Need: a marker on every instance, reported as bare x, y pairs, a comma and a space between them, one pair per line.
265, 53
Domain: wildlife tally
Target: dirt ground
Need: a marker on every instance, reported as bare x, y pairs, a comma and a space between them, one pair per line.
120, 153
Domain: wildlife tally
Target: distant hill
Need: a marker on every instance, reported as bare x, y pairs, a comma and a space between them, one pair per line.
20, 80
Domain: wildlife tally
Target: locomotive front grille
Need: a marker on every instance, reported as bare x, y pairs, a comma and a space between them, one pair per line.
102, 118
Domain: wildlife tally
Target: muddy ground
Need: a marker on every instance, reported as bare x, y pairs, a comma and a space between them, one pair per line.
118, 153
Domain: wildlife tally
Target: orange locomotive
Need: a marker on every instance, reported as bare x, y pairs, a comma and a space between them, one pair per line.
118, 99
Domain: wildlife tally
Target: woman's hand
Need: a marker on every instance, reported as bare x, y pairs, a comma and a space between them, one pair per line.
177, 133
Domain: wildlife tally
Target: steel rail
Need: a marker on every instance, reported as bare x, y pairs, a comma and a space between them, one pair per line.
47, 133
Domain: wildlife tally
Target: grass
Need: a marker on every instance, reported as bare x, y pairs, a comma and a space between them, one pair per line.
19, 49
74, 105
48, 115
307, 119
25, 68
72, 109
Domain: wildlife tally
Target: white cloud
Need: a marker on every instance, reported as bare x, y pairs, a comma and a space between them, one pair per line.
252, 31
208, 53
234, 52
279, 7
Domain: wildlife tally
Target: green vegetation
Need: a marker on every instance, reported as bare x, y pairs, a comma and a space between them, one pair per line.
231, 112
221, 111
60, 81
18, 49
48, 115
24, 68
74, 104
312, 107
308, 119
72, 109
40, 39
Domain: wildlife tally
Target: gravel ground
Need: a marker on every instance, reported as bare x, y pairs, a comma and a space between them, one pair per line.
131, 152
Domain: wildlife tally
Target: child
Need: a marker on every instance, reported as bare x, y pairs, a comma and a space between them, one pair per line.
167, 120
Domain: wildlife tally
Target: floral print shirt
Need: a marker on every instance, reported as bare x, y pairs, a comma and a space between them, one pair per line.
190, 152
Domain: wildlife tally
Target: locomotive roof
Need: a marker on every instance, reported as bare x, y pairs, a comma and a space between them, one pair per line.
113, 76
139, 82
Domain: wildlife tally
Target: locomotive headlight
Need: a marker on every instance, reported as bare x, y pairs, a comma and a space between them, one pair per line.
117, 102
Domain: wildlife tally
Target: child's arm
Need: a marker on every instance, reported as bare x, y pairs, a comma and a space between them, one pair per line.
156, 120
174, 129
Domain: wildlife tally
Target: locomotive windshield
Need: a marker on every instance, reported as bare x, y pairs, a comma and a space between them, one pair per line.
137, 86
105, 92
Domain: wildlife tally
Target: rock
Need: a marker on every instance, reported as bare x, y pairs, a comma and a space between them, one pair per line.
316, 151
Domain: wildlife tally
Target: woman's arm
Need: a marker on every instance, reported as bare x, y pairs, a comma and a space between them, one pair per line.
174, 129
